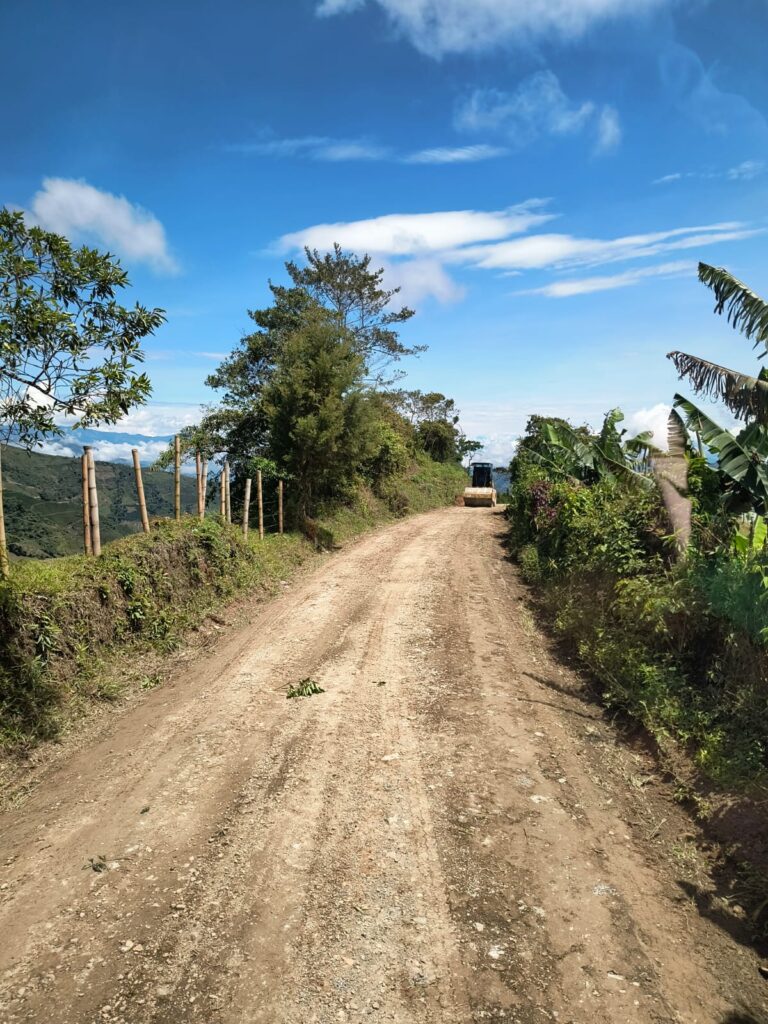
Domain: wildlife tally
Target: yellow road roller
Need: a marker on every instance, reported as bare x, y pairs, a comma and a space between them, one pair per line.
481, 492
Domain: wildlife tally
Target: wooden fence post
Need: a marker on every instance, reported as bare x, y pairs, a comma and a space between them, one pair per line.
228, 494
280, 506
223, 495
140, 490
86, 506
203, 487
5, 569
177, 477
246, 506
198, 467
261, 504
93, 503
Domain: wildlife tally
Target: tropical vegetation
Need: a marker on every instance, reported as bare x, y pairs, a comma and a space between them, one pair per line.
652, 561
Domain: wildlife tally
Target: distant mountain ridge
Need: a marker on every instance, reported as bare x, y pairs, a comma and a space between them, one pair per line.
43, 500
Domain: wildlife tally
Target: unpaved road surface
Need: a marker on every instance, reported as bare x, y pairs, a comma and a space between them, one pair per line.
449, 833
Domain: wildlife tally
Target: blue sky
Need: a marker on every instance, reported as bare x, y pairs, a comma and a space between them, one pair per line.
540, 176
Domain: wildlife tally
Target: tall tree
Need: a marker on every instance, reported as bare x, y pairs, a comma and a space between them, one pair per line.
320, 422
346, 284
67, 347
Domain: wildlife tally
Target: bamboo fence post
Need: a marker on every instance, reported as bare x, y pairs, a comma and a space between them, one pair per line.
228, 494
5, 569
246, 506
203, 487
261, 504
177, 477
93, 503
86, 506
140, 490
280, 506
198, 468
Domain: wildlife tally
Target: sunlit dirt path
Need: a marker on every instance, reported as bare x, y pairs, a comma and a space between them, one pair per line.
449, 833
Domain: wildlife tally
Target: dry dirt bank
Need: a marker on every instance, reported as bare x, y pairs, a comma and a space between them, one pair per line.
449, 833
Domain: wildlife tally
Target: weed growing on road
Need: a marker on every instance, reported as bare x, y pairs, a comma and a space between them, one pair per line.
306, 688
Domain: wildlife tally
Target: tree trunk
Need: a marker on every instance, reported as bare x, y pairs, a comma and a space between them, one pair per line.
4, 564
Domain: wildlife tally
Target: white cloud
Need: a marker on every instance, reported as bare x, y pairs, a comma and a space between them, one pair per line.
416, 248
455, 154
588, 285
323, 148
421, 279
439, 27
536, 252
410, 234
315, 147
653, 419
608, 130
747, 170
105, 451
156, 420
80, 211
538, 107
693, 90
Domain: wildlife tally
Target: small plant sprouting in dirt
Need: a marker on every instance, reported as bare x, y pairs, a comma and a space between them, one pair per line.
150, 682
306, 688
97, 864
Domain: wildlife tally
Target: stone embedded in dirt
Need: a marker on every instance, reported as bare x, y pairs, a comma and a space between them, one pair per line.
603, 889
391, 757
478, 926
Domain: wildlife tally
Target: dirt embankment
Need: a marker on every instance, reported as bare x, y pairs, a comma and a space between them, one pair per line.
449, 833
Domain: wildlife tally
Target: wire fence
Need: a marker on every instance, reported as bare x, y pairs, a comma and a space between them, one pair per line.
68, 505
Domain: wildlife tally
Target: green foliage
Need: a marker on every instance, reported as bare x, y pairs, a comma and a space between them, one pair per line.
680, 647
66, 345
306, 688
345, 284
321, 428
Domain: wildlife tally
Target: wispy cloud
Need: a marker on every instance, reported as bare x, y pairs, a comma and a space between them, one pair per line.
455, 154
323, 148
82, 212
693, 90
560, 251
588, 285
440, 27
418, 247
409, 234
747, 170
538, 108
609, 130
315, 147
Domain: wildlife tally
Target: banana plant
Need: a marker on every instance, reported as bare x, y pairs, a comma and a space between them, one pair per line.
576, 455
746, 396
742, 459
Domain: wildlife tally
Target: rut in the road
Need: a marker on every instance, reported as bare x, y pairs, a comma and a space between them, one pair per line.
446, 834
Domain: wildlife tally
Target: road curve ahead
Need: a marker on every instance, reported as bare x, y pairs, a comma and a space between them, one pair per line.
448, 833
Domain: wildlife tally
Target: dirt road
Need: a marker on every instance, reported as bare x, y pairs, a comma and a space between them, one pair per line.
449, 833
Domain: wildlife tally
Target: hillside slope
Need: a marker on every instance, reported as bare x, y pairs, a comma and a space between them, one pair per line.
43, 502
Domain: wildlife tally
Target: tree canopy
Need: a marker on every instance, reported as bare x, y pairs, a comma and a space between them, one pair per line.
67, 347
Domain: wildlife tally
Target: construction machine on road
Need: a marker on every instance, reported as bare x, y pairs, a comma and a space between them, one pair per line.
481, 492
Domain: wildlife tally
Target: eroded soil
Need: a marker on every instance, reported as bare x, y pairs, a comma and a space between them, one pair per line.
451, 832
